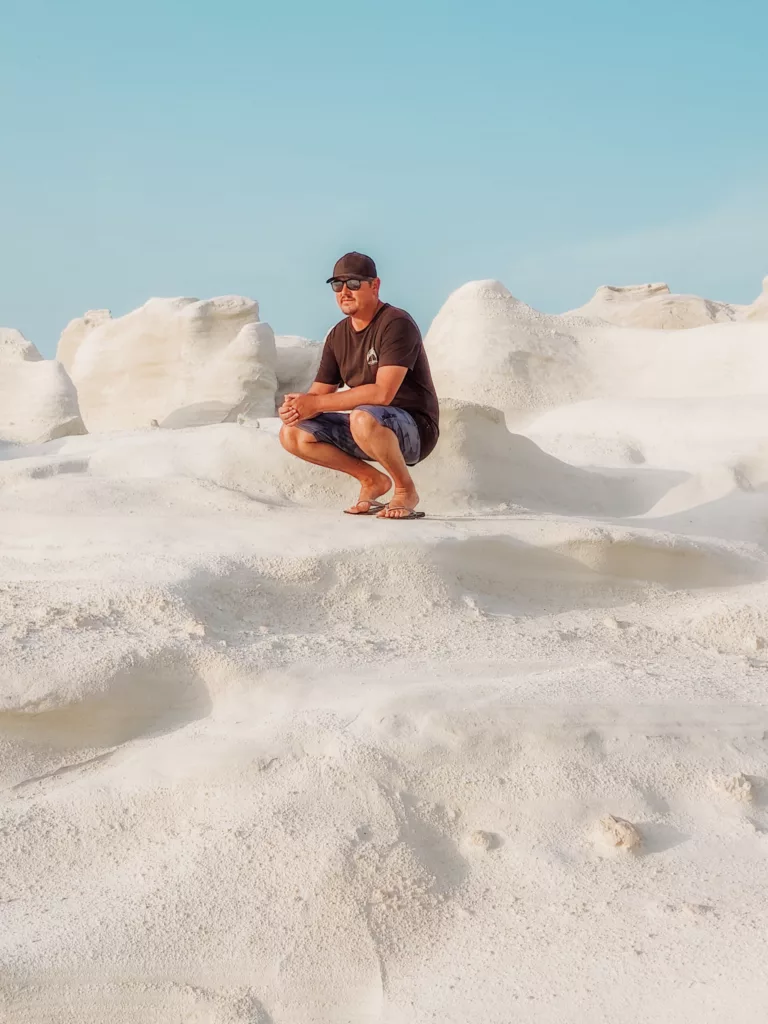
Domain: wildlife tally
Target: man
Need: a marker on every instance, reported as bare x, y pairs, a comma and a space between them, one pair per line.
389, 414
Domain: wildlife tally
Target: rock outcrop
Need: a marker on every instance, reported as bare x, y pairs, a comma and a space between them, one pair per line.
38, 401
655, 306
487, 347
297, 363
182, 362
74, 333
759, 308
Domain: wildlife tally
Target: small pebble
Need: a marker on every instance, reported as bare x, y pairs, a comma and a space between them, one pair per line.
738, 787
620, 833
483, 840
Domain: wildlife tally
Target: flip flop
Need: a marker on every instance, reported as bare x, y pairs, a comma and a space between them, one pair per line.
412, 513
373, 508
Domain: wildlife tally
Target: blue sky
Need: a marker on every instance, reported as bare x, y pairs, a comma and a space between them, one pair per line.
186, 148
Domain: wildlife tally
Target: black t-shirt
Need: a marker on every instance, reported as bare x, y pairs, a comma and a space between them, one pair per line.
392, 338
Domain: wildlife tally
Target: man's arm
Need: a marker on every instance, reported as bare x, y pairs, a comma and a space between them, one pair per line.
381, 392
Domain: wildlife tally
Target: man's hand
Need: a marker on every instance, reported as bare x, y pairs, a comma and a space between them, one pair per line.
288, 414
298, 407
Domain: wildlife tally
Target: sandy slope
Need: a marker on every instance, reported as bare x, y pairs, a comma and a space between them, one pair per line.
262, 762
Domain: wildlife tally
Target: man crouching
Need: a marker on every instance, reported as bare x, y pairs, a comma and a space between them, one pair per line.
389, 414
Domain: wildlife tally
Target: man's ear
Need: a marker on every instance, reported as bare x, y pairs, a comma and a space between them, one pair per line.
375, 285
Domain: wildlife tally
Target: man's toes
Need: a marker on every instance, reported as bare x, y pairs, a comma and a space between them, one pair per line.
393, 513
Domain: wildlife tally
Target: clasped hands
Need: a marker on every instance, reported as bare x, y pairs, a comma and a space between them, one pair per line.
296, 408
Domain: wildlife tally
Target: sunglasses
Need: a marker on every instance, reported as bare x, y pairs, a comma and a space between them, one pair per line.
353, 283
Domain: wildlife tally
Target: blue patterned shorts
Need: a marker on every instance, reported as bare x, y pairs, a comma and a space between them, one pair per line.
333, 428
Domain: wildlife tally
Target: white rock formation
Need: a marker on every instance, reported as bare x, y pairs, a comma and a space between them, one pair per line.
297, 362
653, 305
263, 761
478, 462
14, 347
75, 331
180, 361
759, 308
488, 348
38, 401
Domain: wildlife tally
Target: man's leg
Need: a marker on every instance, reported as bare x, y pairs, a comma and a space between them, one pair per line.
381, 444
306, 446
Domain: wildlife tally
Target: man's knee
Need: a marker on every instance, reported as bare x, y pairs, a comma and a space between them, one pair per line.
292, 437
362, 424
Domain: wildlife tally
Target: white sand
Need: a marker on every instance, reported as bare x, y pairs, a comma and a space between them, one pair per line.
262, 762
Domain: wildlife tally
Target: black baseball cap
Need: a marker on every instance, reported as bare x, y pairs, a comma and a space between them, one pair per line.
353, 264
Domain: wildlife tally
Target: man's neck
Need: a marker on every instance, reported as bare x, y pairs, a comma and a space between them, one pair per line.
360, 325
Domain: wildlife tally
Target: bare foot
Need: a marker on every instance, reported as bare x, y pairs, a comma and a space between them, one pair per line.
370, 490
401, 503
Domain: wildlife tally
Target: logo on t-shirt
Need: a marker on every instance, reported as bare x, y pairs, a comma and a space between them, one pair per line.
371, 358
